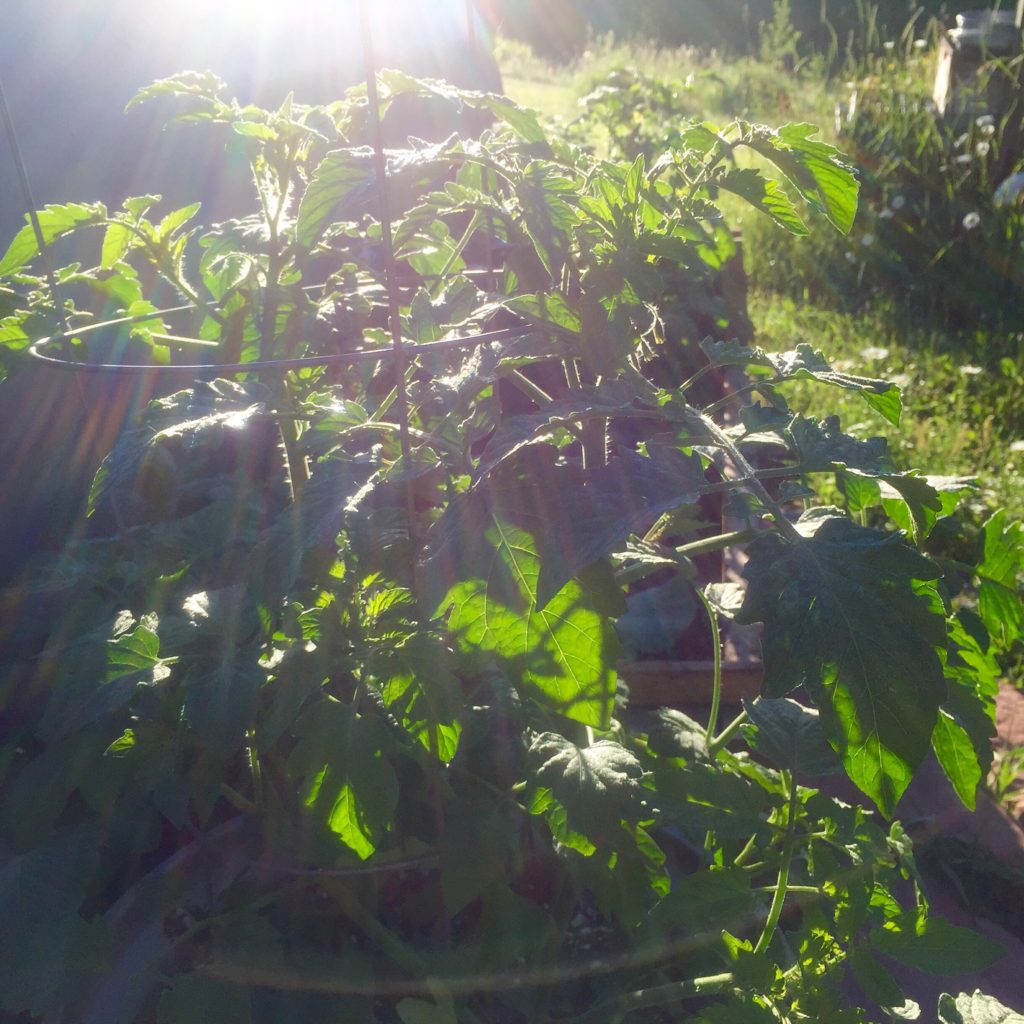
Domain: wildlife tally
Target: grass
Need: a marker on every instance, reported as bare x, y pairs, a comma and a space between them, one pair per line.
713, 87
953, 411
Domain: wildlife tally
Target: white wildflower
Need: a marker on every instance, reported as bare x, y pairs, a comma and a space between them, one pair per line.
874, 352
898, 202
964, 158
850, 257
969, 370
982, 148
962, 139
987, 130
1017, 446
886, 214
920, 44
985, 121
972, 220
889, 44
867, 239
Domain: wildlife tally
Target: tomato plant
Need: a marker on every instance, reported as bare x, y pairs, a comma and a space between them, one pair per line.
319, 716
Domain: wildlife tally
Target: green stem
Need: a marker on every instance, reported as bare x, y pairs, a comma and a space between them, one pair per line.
747, 850
632, 573
716, 689
782, 885
239, 802
439, 444
716, 543
298, 471
755, 385
460, 245
527, 386
727, 734
739, 460
615, 1009
809, 889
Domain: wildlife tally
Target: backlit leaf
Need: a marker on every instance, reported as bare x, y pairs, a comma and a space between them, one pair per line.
938, 947
791, 736
845, 616
816, 169
976, 1008
55, 222
765, 195
585, 792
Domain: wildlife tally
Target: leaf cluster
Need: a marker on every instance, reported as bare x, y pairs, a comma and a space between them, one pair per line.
322, 716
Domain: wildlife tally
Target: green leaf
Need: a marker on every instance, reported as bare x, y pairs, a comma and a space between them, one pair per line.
585, 792
342, 187
485, 567
419, 1011
347, 779
547, 197
474, 850
791, 737
56, 952
875, 979
736, 1011
815, 168
921, 499
1000, 601
976, 1008
55, 222
938, 947
550, 310
706, 901
195, 997
765, 195
807, 363
117, 240
919, 518
956, 752
522, 121
204, 84
133, 650
673, 734
593, 517
847, 615
220, 698
420, 687
175, 219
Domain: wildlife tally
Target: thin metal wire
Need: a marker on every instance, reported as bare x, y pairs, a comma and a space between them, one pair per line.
30, 206
201, 369
387, 236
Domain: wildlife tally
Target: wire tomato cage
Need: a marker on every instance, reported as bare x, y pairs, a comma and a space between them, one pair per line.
399, 352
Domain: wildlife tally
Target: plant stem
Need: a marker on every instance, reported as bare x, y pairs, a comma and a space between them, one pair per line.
716, 689
531, 390
746, 851
739, 460
782, 885
726, 735
460, 245
746, 389
809, 889
631, 573
615, 1009
239, 802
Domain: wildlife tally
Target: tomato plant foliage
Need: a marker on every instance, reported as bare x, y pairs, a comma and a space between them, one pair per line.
317, 716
